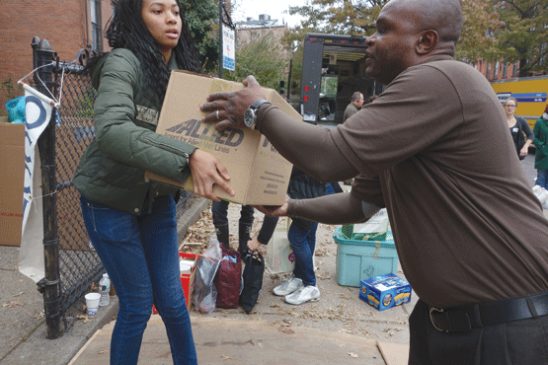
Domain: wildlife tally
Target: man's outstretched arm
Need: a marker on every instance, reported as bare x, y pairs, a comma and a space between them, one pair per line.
338, 208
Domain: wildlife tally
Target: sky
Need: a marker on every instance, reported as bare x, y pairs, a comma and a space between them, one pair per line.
277, 9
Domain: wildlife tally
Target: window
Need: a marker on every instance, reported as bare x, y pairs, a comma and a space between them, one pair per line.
95, 20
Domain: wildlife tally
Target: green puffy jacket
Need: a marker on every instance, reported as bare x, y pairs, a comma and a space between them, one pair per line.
111, 171
541, 143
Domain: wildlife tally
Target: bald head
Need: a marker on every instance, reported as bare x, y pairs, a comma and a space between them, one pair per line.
444, 16
411, 32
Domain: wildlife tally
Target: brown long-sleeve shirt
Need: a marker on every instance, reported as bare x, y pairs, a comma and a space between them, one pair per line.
435, 150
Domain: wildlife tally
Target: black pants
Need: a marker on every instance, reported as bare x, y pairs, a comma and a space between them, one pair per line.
513, 343
220, 221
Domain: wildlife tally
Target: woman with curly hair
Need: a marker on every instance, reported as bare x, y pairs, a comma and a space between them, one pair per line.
131, 222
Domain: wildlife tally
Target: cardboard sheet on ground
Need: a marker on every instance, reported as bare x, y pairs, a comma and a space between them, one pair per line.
12, 167
394, 353
259, 174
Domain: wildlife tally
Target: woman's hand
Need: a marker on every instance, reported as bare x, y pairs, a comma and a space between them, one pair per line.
206, 172
525, 149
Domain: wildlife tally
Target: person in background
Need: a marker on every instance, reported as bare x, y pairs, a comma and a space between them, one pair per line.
131, 222
519, 129
356, 103
219, 210
301, 287
540, 133
434, 150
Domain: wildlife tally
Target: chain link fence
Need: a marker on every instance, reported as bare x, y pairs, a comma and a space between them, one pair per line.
79, 265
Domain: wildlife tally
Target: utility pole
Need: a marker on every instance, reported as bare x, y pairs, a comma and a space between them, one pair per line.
221, 6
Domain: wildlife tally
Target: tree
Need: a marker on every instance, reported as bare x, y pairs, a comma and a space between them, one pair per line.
477, 39
329, 16
263, 58
514, 30
524, 33
339, 16
202, 20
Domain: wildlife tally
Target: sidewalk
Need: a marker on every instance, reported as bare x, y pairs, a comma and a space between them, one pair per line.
23, 329
233, 341
339, 329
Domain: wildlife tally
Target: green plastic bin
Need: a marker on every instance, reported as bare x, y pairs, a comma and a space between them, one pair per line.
357, 260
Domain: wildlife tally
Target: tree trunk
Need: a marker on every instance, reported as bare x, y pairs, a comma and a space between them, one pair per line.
523, 68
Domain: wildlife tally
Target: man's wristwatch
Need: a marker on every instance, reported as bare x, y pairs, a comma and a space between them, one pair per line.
250, 115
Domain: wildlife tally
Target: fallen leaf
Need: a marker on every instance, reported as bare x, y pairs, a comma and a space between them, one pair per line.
286, 330
12, 304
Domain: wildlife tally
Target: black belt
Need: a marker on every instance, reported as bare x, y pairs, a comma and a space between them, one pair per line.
467, 317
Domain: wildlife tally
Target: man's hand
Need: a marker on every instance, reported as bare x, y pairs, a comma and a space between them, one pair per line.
227, 109
274, 210
524, 151
206, 172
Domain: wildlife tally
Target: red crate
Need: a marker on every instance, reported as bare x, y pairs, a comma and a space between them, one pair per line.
186, 279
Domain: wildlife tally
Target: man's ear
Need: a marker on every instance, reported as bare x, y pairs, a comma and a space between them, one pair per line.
428, 40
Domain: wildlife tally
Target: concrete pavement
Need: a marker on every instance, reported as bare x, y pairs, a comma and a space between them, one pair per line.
250, 341
339, 315
23, 329
339, 329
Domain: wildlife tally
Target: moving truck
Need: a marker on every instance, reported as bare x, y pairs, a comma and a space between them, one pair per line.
333, 69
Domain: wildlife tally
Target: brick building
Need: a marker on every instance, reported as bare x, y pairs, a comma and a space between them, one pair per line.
497, 70
253, 29
68, 25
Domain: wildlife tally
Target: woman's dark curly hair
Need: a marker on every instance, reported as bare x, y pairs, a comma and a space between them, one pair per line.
126, 29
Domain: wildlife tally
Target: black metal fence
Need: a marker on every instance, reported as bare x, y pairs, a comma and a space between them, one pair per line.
71, 264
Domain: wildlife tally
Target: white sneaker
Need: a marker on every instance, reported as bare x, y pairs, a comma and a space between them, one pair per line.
288, 287
305, 294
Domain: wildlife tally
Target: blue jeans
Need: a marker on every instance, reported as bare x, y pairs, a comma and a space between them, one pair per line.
542, 178
302, 237
140, 254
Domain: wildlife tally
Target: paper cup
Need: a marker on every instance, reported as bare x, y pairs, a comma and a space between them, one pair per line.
92, 303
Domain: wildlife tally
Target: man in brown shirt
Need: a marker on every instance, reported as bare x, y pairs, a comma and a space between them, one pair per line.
355, 105
435, 151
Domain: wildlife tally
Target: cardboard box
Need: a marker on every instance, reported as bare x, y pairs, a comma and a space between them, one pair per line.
259, 174
385, 291
12, 168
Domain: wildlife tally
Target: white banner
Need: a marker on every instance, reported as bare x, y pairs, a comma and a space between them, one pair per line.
229, 52
31, 255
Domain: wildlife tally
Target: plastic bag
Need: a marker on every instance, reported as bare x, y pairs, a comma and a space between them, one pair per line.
279, 255
253, 281
542, 195
229, 279
204, 293
16, 110
374, 229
